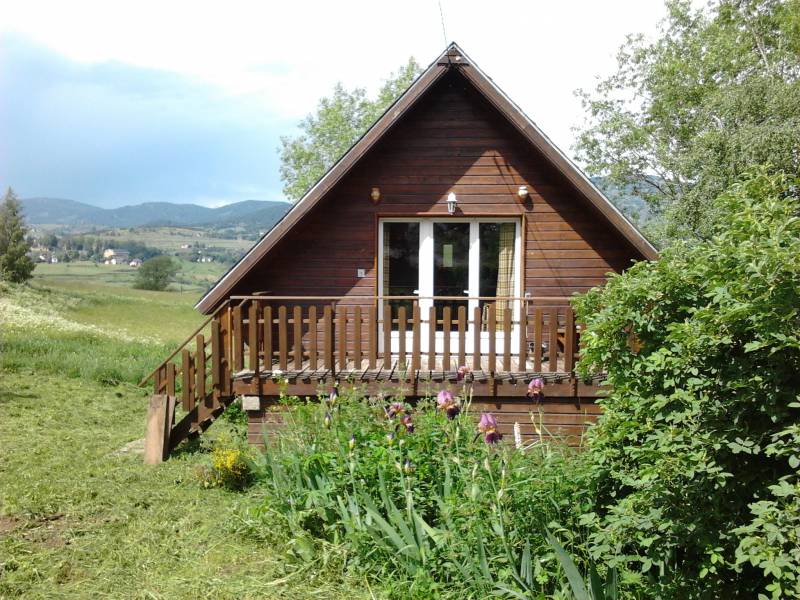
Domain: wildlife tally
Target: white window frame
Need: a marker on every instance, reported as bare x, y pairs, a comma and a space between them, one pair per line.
425, 282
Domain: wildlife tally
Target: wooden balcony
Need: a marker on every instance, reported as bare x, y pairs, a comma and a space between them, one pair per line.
265, 345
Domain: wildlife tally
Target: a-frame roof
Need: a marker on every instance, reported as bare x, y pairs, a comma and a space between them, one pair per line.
452, 58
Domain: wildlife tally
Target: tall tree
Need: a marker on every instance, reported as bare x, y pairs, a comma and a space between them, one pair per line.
339, 121
684, 116
15, 264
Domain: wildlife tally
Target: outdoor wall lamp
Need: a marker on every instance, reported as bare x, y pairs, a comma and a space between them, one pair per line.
451, 203
375, 194
522, 192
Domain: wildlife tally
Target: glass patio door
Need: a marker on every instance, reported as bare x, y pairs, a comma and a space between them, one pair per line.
455, 261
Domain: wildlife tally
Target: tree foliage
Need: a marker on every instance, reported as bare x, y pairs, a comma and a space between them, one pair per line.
695, 459
156, 273
15, 264
339, 121
684, 116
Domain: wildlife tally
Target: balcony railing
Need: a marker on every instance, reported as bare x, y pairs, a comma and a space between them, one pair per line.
441, 333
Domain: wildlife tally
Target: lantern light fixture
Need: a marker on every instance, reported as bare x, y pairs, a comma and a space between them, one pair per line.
375, 194
522, 192
451, 203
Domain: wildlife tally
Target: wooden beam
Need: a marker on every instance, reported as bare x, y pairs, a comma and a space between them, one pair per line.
160, 414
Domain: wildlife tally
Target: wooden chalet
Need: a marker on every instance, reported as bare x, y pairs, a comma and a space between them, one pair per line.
454, 232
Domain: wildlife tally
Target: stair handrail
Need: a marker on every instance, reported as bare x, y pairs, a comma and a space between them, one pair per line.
183, 344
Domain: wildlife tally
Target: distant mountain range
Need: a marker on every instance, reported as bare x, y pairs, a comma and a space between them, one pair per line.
73, 214
249, 216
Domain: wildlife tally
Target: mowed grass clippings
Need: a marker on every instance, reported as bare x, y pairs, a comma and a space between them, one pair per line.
80, 515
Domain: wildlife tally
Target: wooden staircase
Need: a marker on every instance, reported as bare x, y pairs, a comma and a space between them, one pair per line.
198, 375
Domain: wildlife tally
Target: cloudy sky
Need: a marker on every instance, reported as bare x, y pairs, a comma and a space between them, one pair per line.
117, 103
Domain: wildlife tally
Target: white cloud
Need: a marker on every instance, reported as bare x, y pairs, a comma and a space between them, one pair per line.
286, 55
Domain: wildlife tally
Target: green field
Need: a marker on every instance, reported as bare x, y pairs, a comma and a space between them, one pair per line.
80, 515
193, 278
101, 295
168, 239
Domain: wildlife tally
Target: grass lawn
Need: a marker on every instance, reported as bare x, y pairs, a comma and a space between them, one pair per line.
78, 519
81, 519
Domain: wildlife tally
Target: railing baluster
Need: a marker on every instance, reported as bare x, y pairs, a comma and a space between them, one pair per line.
569, 341
462, 325
415, 345
506, 338
226, 328
216, 357
312, 337
268, 338
401, 336
523, 336
200, 371
387, 336
170, 379
283, 344
553, 353
373, 337
252, 338
238, 341
432, 338
537, 340
192, 377
446, 322
327, 336
341, 334
476, 339
357, 337
297, 334
186, 398
492, 338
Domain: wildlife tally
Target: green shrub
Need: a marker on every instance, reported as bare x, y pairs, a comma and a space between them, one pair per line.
691, 463
425, 504
231, 465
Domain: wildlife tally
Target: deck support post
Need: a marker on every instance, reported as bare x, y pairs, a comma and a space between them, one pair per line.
160, 415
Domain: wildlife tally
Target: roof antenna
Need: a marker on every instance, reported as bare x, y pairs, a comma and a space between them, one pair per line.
441, 15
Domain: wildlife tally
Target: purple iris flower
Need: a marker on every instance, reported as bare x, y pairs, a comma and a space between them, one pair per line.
463, 371
395, 409
488, 427
535, 388
448, 403
333, 396
409, 425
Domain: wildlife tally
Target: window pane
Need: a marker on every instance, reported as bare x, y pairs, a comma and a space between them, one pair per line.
496, 272
450, 266
400, 262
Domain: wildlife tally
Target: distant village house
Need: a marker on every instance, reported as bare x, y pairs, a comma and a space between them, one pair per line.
112, 256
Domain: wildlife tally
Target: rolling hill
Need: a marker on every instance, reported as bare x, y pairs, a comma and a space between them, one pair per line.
73, 214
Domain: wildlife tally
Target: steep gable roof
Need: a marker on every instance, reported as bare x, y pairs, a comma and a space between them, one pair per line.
452, 58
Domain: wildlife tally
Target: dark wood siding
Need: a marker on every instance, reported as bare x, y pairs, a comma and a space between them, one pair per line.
452, 140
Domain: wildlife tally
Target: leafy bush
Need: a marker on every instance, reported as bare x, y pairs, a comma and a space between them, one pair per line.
231, 465
156, 273
419, 500
694, 461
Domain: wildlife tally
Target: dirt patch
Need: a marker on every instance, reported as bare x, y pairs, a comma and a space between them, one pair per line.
47, 531
134, 447
8, 524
